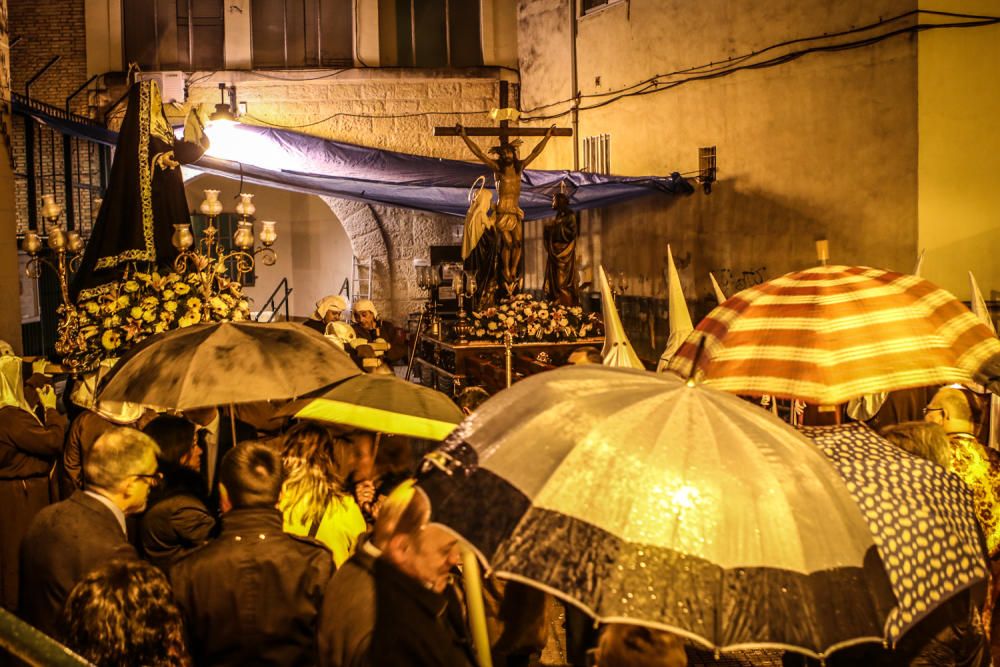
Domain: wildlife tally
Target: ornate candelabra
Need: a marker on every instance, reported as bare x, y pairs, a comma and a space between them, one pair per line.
67, 249
210, 257
428, 279
464, 284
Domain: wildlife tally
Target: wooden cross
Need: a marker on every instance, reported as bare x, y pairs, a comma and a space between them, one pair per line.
507, 215
505, 131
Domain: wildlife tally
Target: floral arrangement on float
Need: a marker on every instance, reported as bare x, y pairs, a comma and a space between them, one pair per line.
144, 303
530, 320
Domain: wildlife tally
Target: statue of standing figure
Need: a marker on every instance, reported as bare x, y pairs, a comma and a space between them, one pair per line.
559, 236
507, 169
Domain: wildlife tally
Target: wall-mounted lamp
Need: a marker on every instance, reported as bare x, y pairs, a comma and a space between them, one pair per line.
823, 251
225, 110
706, 168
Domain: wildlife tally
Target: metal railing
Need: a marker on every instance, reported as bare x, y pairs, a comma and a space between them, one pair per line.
275, 302
34, 646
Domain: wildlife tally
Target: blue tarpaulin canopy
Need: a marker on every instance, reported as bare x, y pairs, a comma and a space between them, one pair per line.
294, 161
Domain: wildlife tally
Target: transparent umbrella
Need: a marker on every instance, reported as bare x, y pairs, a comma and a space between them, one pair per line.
645, 500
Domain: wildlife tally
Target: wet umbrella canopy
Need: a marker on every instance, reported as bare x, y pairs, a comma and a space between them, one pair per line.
382, 403
648, 501
921, 515
828, 334
224, 363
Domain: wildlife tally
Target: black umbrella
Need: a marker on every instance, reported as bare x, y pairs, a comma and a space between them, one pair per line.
225, 363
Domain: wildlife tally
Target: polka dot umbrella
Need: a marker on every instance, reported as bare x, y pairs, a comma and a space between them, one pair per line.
921, 516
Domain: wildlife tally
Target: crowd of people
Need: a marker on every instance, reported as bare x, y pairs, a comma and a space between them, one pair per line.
216, 538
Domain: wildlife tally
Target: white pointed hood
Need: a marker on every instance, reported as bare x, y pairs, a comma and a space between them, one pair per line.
720, 296
618, 351
680, 318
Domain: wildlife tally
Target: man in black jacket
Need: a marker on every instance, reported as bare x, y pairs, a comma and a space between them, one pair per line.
392, 604
251, 596
69, 539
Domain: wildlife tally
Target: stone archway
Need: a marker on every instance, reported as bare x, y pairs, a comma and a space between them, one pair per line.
368, 239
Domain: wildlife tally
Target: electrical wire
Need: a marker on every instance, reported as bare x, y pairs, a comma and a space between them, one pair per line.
653, 85
369, 116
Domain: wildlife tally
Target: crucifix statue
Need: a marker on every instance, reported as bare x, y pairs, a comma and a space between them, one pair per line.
507, 168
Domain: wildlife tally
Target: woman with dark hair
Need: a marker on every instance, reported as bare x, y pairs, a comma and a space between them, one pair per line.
315, 502
124, 614
178, 519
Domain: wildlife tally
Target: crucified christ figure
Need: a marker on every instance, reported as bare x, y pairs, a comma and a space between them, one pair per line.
507, 169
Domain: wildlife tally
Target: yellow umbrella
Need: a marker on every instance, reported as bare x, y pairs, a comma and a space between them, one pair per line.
385, 404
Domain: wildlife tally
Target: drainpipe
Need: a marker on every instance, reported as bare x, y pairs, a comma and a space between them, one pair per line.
576, 87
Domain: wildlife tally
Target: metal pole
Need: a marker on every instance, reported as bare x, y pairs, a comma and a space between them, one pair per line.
416, 341
508, 342
38, 74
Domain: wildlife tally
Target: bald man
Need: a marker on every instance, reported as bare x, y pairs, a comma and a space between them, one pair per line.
978, 466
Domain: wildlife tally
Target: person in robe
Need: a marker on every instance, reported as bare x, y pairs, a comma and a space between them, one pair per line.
145, 195
28, 448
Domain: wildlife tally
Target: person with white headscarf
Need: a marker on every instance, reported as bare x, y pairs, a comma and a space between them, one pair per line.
329, 310
28, 448
96, 418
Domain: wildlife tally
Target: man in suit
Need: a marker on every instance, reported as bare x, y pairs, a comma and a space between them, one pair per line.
252, 595
67, 540
214, 434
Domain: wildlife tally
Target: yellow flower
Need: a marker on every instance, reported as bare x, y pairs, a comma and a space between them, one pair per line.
92, 307
131, 286
168, 294
149, 315
160, 327
111, 340
120, 303
89, 332
239, 316
194, 303
112, 322
192, 317
182, 288
218, 304
244, 305
170, 306
135, 313
140, 275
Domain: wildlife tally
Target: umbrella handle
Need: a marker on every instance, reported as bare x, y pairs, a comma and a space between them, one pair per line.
477, 610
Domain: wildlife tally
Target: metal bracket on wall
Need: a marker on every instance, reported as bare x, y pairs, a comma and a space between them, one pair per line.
706, 168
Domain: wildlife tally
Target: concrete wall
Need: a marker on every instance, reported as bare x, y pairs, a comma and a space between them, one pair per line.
959, 204
824, 146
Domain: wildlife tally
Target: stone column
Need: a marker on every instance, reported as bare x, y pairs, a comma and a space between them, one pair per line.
10, 292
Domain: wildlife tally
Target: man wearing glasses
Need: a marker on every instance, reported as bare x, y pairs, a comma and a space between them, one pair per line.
67, 540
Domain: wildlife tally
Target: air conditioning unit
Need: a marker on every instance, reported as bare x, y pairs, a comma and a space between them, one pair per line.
171, 85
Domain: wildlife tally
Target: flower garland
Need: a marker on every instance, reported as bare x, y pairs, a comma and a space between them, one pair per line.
144, 303
529, 319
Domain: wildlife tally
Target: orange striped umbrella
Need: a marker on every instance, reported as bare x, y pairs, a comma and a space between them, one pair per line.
832, 333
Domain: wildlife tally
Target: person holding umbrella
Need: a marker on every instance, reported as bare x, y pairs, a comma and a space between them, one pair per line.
314, 501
